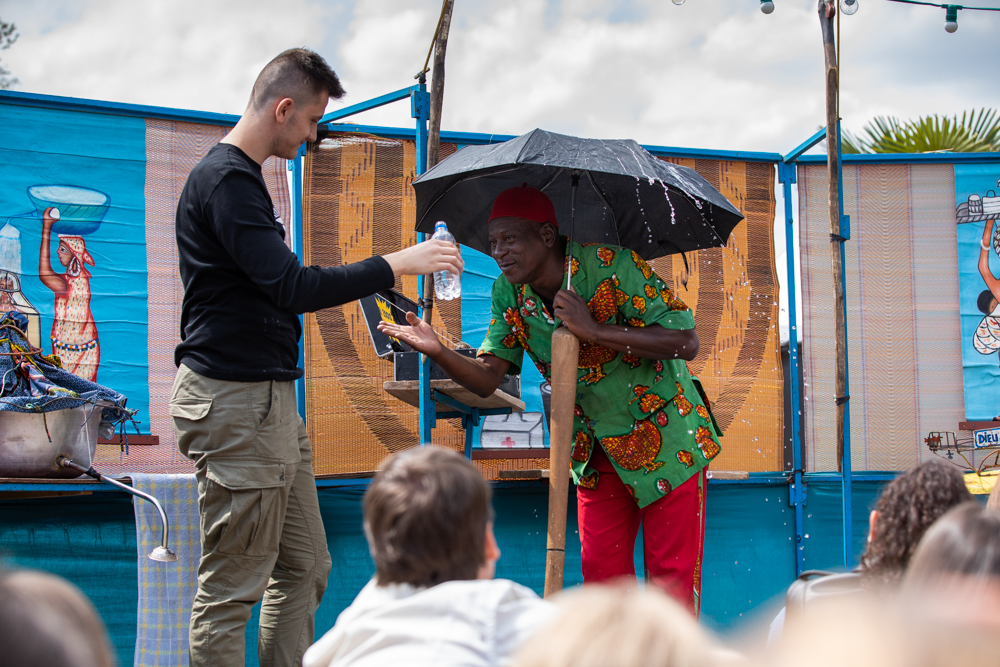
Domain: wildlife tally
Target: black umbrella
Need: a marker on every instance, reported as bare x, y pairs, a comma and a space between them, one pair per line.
625, 197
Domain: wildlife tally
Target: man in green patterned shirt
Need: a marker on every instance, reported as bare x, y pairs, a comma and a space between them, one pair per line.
643, 431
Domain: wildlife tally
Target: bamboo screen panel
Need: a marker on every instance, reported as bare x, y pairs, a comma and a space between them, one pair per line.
904, 346
734, 294
172, 151
350, 182
358, 201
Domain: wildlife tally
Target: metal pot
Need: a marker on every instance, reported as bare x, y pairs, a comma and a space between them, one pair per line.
26, 450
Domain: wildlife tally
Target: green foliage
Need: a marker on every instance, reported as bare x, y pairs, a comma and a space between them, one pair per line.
8, 35
972, 132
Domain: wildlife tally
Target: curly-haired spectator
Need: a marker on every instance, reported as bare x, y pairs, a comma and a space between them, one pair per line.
904, 512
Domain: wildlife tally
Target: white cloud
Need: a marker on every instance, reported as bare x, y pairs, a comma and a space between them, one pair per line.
188, 54
711, 73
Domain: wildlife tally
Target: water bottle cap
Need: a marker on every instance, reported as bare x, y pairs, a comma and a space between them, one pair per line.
440, 224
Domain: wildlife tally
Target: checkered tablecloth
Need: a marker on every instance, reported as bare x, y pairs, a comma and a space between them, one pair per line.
166, 590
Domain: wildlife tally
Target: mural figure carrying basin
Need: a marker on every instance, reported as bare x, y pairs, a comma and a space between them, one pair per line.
985, 208
71, 212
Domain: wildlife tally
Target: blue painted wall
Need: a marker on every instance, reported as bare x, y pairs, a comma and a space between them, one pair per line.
100, 152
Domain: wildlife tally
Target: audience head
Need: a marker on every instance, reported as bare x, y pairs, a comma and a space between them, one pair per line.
45, 620
907, 508
965, 541
993, 503
955, 571
428, 519
608, 626
867, 631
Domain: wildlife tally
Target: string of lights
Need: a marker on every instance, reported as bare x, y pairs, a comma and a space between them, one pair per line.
849, 7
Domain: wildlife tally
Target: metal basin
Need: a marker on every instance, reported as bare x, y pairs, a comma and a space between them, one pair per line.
25, 448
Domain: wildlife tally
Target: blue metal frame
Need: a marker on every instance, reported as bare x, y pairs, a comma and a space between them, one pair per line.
797, 493
476, 138
845, 463
420, 109
905, 158
797, 490
470, 416
755, 479
373, 103
296, 167
116, 108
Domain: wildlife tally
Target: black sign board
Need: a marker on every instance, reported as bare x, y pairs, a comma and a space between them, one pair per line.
391, 306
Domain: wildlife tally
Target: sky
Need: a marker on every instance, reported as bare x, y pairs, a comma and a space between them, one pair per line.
715, 74
706, 74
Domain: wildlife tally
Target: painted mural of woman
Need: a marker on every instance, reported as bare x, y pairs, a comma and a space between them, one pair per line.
74, 332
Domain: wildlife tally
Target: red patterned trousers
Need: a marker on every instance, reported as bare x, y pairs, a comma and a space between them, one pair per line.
673, 533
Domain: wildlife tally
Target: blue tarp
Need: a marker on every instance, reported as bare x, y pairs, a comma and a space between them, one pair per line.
749, 554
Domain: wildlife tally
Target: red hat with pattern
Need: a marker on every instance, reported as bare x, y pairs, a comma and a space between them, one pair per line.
524, 202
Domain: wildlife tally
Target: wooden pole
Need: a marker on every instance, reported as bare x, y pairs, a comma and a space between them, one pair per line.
437, 85
565, 359
827, 10
434, 122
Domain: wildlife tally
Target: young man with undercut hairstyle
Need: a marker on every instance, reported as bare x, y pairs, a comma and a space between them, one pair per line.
433, 601
233, 401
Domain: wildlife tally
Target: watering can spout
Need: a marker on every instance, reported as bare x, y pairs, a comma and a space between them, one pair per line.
161, 553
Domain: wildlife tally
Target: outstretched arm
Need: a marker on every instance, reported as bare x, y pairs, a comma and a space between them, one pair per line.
649, 342
425, 258
49, 278
984, 261
481, 376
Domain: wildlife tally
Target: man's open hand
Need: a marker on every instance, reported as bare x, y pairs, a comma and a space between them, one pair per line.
419, 335
425, 258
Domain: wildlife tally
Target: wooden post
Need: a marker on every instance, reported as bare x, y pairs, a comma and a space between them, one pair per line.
827, 10
434, 122
437, 85
565, 359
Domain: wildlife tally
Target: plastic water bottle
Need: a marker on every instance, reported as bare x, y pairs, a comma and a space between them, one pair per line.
446, 285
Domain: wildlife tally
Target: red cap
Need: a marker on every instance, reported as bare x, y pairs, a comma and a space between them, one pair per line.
524, 202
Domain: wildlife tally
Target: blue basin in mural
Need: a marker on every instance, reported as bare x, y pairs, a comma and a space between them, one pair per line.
81, 210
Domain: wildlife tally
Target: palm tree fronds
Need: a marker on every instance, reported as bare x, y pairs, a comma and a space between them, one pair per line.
972, 132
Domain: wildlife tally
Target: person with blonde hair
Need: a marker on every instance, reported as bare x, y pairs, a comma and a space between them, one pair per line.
45, 621
611, 626
993, 502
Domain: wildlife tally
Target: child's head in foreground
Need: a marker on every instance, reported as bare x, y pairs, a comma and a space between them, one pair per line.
428, 518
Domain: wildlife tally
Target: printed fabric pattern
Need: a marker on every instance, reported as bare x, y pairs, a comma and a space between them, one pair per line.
650, 416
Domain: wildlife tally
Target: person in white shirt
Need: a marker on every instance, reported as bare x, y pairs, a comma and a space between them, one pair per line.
428, 519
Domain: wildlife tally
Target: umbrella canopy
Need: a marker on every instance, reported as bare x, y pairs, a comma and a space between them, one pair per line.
626, 196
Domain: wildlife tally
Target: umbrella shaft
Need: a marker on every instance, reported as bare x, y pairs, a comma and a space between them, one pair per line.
572, 225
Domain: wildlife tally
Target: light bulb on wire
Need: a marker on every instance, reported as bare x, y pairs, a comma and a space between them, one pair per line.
766, 6
951, 18
849, 7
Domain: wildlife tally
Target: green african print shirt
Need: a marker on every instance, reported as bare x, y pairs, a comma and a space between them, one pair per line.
649, 416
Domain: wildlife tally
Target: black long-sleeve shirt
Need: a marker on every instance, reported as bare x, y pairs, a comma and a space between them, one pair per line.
243, 287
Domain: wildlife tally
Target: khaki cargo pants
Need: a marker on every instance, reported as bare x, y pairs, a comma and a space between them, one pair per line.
261, 531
